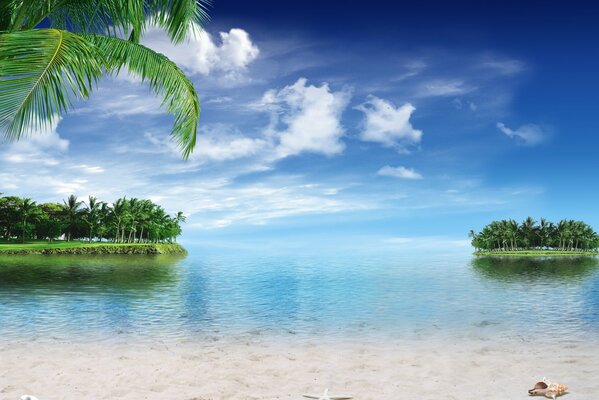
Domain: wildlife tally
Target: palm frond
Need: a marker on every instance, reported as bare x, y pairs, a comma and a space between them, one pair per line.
165, 79
41, 72
178, 16
124, 17
7, 8
91, 16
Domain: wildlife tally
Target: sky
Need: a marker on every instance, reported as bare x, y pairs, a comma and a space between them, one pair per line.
329, 123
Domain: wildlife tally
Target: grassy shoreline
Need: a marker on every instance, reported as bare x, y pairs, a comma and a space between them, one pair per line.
78, 247
536, 253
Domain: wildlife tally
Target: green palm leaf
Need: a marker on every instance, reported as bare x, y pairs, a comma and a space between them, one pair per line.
126, 16
177, 16
41, 72
164, 78
6, 12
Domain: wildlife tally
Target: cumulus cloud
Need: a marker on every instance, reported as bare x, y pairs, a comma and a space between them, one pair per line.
399, 172
527, 135
389, 125
202, 54
305, 118
215, 143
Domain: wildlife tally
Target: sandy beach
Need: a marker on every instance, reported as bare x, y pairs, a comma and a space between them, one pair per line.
259, 369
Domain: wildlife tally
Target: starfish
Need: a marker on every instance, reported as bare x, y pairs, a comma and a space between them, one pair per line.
325, 396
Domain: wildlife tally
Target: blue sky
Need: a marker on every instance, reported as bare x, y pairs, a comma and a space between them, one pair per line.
404, 124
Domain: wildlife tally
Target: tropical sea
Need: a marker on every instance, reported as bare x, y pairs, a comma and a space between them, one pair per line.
328, 297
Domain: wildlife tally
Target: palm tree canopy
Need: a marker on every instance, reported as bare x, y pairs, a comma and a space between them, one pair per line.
134, 220
44, 70
509, 235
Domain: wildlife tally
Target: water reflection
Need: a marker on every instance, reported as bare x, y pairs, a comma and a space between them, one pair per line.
535, 269
77, 271
177, 298
75, 296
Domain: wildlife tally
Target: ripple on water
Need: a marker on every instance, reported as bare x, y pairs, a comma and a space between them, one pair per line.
390, 296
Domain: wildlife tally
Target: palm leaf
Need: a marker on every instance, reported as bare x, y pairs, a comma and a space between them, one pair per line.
92, 16
7, 8
41, 72
177, 16
126, 17
165, 79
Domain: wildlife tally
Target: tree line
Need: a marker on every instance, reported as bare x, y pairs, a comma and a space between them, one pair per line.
509, 235
124, 221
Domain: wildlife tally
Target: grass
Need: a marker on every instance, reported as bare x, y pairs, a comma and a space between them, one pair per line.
536, 253
83, 247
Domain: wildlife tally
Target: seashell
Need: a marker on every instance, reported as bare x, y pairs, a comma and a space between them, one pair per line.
548, 389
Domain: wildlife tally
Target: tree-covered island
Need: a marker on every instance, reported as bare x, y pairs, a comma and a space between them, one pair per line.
132, 226
508, 237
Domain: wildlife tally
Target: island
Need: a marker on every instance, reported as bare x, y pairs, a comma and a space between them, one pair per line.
537, 239
126, 226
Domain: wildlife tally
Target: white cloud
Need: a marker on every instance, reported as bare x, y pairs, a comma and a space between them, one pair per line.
388, 125
442, 87
40, 146
201, 54
218, 100
260, 203
311, 116
503, 66
219, 142
527, 135
108, 103
88, 169
303, 119
400, 172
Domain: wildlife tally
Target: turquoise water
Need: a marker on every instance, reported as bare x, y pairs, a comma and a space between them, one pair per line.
301, 296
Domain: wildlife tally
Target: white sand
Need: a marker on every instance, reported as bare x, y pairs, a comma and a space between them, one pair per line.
275, 370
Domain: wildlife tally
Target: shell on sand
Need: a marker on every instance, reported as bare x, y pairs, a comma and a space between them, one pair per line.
548, 389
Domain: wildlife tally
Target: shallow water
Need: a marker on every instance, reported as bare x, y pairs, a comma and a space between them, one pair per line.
303, 296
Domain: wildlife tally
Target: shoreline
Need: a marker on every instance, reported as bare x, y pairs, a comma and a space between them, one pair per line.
536, 253
99, 248
260, 368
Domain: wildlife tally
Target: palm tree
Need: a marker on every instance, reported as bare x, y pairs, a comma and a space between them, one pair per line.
27, 209
567, 235
103, 218
54, 51
143, 216
133, 216
543, 231
528, 231
73, 213
118, 213
91, 215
